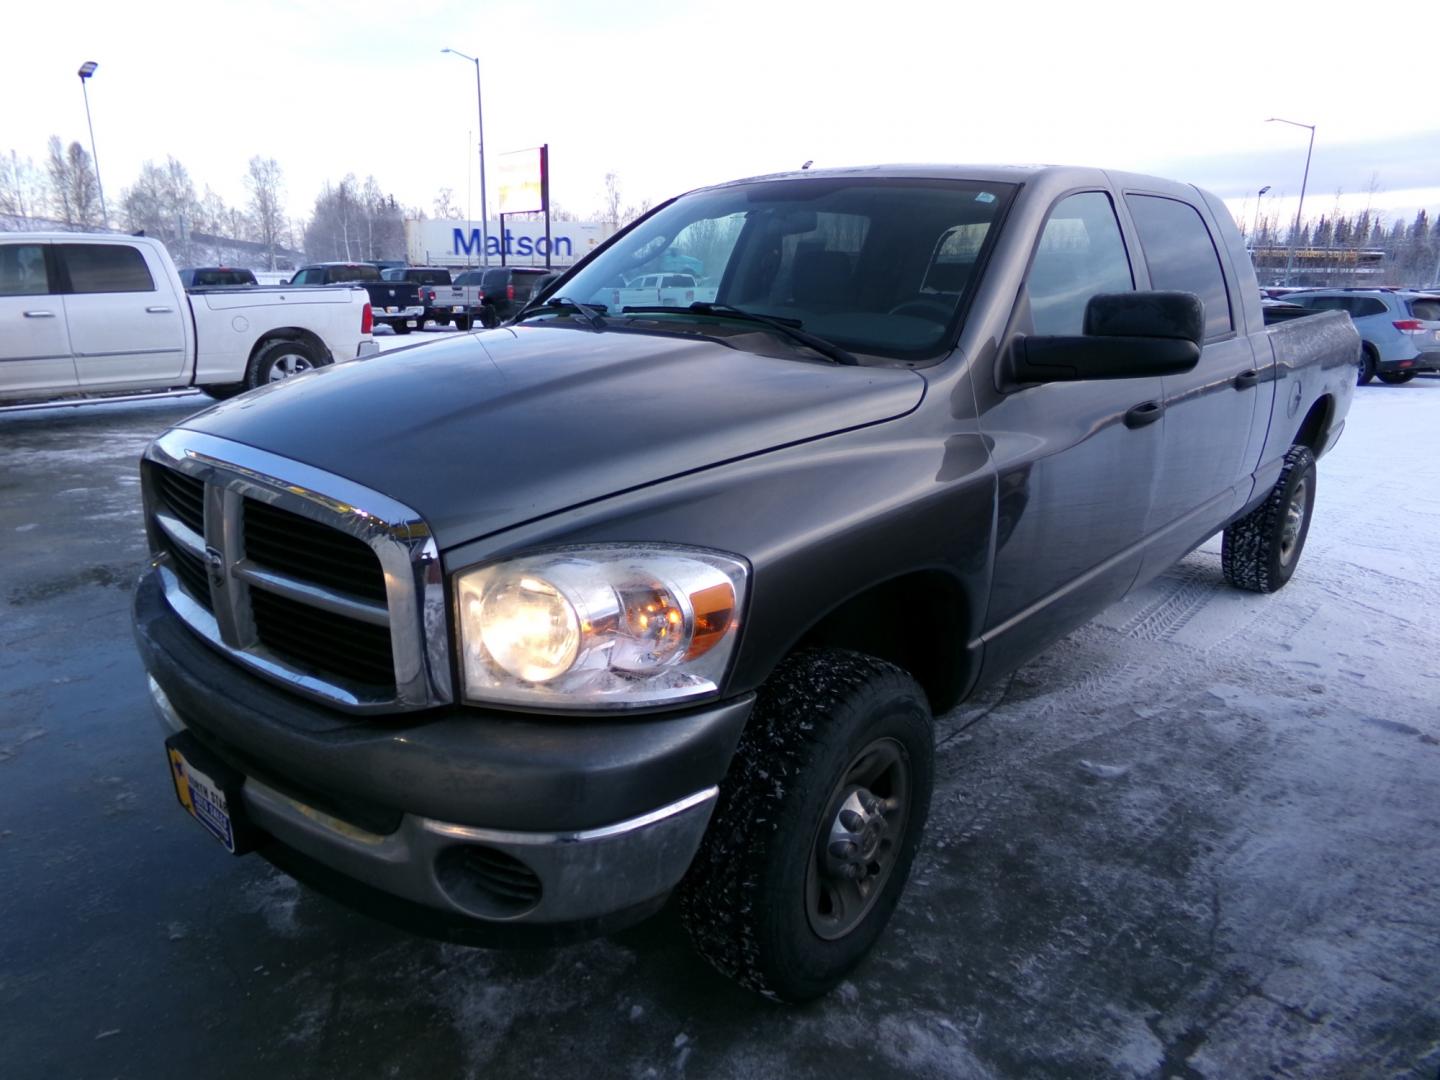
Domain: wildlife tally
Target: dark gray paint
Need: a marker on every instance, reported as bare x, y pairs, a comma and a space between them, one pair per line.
1010, 514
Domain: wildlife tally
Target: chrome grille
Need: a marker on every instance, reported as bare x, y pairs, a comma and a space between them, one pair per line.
302, 576
326, 642
312, 552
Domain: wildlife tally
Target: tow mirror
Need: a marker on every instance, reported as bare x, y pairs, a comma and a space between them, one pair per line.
1127, 335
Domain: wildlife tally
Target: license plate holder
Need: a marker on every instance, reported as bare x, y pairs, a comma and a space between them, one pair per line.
209, 791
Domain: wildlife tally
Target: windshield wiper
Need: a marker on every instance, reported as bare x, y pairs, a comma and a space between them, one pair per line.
564, 303
789, 328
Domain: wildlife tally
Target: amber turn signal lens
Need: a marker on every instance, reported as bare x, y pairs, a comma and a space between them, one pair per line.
714, 609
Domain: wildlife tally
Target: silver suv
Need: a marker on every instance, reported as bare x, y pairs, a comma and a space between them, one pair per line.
1400, 328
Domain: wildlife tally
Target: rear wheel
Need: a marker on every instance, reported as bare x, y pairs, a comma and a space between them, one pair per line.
1396, 378
462, 322
442, 320
1259, 552
282, 360
401, 326
1367, 365
816, 826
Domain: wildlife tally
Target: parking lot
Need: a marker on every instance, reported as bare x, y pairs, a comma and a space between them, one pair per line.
1200, 837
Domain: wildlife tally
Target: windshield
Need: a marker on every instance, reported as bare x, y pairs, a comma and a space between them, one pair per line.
878, 266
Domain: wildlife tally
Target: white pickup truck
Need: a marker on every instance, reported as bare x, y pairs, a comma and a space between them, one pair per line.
95, 313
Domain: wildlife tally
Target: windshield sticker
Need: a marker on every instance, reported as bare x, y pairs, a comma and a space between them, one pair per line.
985, 197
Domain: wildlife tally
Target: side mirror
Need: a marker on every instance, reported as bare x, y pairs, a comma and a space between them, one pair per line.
1127, 336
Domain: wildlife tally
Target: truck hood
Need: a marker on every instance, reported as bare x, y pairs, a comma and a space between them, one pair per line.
485, 432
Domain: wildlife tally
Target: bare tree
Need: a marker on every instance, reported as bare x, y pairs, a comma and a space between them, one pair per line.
74, 190
21, 188
445, 205
610, 210
266, 203
162, 203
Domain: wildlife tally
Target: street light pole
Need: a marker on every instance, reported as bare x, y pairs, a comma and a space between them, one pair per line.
480, 120
1295, 234
1255, 229
1255, 232
86, 70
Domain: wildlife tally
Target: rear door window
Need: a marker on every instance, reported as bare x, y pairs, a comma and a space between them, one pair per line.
22, 270
1081, 253
106, 268
1181, 255
1427, 309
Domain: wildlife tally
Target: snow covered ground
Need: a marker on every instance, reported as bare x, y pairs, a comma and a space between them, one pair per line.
1197, 838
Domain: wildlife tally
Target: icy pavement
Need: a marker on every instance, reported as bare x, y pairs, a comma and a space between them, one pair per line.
1198, 838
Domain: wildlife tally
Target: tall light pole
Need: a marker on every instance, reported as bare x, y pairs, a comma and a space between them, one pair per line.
1255, 230
480, 120
86, 70
1295, 233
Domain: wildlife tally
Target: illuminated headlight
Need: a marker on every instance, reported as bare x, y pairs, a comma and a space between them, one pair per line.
599, 627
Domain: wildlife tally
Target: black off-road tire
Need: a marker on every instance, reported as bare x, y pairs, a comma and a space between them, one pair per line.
750, 900
401, 326
281, 359
462, 322
1367, 365
1396, 378
1260, 551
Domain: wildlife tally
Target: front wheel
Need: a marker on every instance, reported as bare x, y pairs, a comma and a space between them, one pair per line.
816, 826
1396, 378
1259, 552
282, 360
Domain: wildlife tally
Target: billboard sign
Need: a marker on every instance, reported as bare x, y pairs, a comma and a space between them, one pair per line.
519, 173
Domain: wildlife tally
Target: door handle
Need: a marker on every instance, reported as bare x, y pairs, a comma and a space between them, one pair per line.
1147, 412
158, 310
1246, 379
39, 314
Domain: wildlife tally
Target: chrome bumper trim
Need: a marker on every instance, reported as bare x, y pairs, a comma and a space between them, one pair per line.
584, 873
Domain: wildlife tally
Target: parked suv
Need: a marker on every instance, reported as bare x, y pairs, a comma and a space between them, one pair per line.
433, 282
1400, 328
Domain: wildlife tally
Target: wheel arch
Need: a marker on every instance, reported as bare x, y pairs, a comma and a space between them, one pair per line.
292, 333
1314, 430
918, 621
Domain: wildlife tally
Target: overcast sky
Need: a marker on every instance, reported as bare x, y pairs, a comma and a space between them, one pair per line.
674, 95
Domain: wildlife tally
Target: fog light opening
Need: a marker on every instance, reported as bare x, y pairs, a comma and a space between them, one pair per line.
487, 881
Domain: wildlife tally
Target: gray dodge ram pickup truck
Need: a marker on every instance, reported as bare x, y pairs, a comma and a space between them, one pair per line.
514, 637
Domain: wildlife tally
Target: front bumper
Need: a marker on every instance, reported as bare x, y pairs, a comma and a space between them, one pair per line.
590, 818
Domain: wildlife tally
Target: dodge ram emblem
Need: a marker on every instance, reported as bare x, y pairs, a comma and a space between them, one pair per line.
215, 568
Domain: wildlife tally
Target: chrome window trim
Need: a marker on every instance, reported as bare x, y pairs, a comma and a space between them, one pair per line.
399, 537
